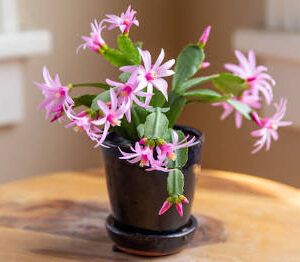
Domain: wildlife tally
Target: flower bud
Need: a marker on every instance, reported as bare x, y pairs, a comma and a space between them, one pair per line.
205, 65
204, 37
143, 141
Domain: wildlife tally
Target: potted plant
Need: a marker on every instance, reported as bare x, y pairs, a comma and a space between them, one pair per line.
150, 162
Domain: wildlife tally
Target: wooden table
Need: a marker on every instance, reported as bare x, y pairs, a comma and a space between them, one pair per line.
60, 217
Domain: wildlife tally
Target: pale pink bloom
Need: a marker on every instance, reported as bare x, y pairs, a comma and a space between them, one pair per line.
139, 153
150, 74
56, 95
112, 114
95, 41
83, 122
129, 93
124, 22
269, 126
255, 76
167, 150
247, 98
159, 165
205, 65
204, 37
144, 155
178, 204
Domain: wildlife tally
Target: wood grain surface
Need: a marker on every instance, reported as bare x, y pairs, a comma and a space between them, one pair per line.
60, 217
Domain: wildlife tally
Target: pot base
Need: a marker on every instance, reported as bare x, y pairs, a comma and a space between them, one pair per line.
150, 244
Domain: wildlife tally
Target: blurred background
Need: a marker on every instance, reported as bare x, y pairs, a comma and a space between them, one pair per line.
36, 33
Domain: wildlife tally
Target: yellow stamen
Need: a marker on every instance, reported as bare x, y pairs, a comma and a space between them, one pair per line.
116, 122
78, 129
172, 156
123, 93
143, 163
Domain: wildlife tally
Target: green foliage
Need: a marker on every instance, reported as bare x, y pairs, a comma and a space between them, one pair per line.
230, 84
188, 63
168, 136
244, 109
98, 85
128, 49
138, 45
141, 130
181, 154
161, 109
130, 130
176, 103
124, 77
117, 58
203, 93
138, 115
85, 100
206, 96
175, 183
157, 99
126, 130
156, 125
194, 82
127, 55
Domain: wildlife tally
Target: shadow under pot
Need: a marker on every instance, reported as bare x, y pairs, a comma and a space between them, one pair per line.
137, 195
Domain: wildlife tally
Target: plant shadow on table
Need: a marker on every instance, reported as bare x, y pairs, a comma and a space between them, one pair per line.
85, 221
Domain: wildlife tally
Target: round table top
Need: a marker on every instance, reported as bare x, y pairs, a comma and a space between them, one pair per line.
45, 219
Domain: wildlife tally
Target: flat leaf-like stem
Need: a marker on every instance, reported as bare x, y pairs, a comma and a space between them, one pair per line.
175, 183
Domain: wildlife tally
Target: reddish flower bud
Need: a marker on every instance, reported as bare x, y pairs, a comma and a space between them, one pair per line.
204, 37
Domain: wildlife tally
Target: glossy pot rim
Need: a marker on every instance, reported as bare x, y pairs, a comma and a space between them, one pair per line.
200, 137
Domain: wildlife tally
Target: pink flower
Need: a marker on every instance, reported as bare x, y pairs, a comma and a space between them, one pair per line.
141, 154
144, 153
247, 98
129, 93
167, 150
255, 76
124, 22
204, 37
112, 114
56, 95
159, 165
269, 126
83, 122
178, 204
151, 75
95, 42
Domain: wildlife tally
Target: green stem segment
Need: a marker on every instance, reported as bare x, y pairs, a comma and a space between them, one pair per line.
97, 85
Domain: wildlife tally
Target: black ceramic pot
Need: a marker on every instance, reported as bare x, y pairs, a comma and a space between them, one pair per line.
137, 195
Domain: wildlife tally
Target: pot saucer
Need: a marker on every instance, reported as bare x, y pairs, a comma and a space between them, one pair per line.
143, 243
